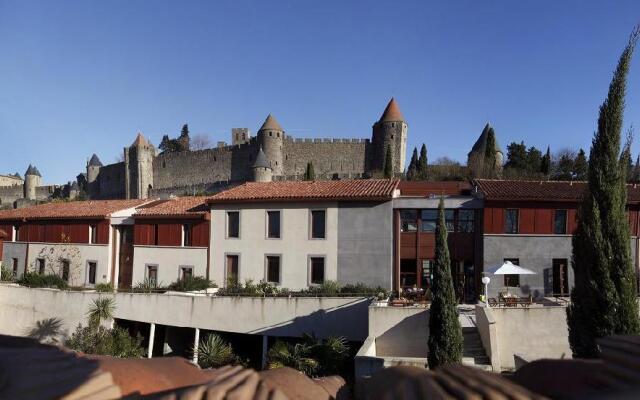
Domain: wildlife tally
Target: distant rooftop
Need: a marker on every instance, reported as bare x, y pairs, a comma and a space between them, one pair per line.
97, 209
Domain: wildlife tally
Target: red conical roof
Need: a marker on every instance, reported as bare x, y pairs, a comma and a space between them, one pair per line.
270, 124
140, 140
392, 112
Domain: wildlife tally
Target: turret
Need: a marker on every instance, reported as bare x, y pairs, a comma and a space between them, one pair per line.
262, 171
32, 179
138, 159
390, 131
93, 169
270, 138
480, 146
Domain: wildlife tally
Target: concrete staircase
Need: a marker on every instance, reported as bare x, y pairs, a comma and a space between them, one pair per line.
473, 353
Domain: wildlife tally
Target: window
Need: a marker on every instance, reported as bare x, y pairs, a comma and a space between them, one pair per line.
512, 280
233, 270
408, 220
93, 234
186, 235
273, 269
429, 220
233, 224
448, 220
466, 221
511, 221
317, 270
156, 235
426, 276
318, 224
273, 224
408, 273
560, 222
560, 276
152, 275
65, 270
40, 264
186, 272
15, 267
14, 233
92, 266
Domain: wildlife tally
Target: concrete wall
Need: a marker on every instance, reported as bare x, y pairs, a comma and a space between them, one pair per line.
399, 331
533, 333
169, 260
23, 307
295, 246
14, 250
365, 243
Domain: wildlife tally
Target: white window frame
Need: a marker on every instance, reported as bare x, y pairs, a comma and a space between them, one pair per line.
14, 233
87, 269
311, 210
147, 269
309, 268
181, 271
266, 268
266, 224
226, 224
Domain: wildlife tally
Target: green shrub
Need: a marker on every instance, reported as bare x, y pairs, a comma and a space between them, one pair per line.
191, 284
249, 288
35, 280
6, 275
215, 352
311, 356
104, 287
147, 286
99, 340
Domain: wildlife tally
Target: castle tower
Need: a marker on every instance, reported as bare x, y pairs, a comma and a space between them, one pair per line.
262, 172
479, 147
389, 131
138, 160
32, 179
270, 138
93, 169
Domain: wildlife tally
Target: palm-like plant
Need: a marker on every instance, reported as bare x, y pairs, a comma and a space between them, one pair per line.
215, 352
297, 356
102, 309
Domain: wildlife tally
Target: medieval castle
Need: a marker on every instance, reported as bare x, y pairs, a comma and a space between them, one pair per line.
270, 155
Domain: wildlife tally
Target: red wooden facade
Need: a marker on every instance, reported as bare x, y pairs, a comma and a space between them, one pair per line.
163, 232
73, 231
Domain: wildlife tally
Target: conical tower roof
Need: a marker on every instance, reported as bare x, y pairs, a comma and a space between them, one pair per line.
392, 112
32, 171
140, 141
481, 144
270, 124
261, 160
95, 161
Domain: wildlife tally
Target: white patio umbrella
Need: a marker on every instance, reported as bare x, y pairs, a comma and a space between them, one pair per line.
509, 268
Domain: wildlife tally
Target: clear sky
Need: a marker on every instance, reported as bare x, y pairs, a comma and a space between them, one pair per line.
78, 77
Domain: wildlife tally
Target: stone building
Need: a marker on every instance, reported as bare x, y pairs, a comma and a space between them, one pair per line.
270, 155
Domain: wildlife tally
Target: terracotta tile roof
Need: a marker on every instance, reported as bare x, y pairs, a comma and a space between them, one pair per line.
427, 188
177, 207
392, 112
140, 140
363, 189
91, 209
493, 189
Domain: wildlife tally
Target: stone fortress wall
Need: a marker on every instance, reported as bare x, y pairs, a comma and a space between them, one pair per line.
331, 158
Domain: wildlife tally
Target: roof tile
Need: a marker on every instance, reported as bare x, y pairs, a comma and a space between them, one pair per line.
176, 207
74, 209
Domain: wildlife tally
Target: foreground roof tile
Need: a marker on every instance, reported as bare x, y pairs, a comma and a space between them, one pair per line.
92, 209
194, 206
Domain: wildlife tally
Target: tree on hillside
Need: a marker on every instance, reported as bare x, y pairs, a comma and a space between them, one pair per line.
412, 170
423, 167
309, 173
388, 163
563, 165
490, 156
445, 334
545, 164
580, 166
603, 300
516, 156
200, 142
636, 172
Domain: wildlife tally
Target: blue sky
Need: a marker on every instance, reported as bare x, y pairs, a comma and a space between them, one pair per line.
78, 77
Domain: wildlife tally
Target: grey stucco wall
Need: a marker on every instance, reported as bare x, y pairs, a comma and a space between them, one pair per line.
399, 331
22, 307
365, 243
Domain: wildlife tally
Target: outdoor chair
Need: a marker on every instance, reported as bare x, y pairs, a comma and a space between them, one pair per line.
493, 302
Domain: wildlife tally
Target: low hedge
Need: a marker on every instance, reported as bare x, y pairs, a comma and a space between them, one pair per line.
36, 280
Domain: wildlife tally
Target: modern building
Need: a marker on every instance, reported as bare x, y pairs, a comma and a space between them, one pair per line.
83, 242
296, 234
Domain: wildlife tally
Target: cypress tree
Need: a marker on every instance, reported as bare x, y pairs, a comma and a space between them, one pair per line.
490, 155
545, 166
388, 163
636, 171
423, 168
309, 173
445, 334
412, 171
581, 166
603, 300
